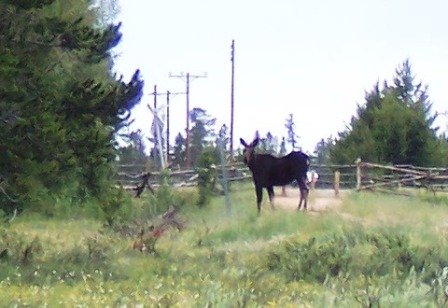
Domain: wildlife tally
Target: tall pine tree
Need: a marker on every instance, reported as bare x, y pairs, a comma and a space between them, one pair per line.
395, 125
59, 103
202, 132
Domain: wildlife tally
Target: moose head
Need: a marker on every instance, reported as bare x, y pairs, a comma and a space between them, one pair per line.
249, 150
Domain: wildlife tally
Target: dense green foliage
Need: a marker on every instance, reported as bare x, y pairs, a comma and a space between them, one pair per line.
60, 105
202, 136
207, 174
372, 251
178, 158
395, 125
355, 253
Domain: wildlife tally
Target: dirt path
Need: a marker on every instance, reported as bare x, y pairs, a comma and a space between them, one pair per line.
320, 200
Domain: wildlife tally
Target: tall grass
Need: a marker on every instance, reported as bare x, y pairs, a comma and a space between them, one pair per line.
425, 222
373, 250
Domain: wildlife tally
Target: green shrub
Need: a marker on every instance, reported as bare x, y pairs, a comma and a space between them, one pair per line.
207, 175
112, 205
17, 249
353, 253
36, 262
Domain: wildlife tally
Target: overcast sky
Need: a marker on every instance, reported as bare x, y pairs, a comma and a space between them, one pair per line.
314, 59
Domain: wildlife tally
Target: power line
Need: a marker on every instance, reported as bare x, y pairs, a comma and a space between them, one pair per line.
187, 77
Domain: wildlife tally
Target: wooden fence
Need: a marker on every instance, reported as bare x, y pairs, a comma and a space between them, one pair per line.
392, 179
129, 176
359, 176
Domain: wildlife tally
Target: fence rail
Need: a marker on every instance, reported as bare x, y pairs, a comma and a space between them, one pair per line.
359, 176
391, 178
130, 176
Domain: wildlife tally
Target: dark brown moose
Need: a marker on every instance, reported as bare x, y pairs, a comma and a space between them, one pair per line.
269, 171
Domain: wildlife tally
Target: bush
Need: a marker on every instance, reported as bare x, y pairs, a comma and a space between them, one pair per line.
354, 254
112, 205
33, 261
17, 249
207, 174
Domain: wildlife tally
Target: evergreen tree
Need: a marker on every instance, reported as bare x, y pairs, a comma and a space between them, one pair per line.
223, 141
202, 132
283, 150
394, 126
179, 150
322, 151
62, 104
292, 137
134, 152
271, 144
223, 136
268, 144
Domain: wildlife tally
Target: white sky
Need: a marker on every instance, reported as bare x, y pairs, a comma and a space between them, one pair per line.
314, 59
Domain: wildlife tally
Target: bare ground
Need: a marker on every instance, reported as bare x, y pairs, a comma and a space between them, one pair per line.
320, 200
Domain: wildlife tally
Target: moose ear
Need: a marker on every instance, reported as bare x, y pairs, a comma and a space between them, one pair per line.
243, 142
255, 142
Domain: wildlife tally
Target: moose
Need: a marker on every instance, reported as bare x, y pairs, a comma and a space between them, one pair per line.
269, 171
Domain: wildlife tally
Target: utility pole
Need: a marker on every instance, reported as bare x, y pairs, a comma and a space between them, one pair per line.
168, 94
155, 96
187, 78
232, 92
167, 126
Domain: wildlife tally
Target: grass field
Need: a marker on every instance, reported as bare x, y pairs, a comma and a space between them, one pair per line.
372, 250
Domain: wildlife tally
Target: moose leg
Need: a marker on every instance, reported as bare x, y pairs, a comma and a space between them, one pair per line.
270, 190
305, 198
303, 193
259, 192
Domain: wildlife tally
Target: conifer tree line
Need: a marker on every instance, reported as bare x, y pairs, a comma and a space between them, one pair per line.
395, 125
60, 105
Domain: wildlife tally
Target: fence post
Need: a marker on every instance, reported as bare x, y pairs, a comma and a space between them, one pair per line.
313, 180
337, 176
358, 174
225, 178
